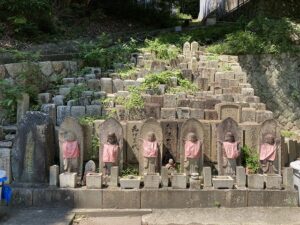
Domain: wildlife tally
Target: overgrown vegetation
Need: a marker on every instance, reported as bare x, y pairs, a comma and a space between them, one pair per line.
76, 92
161, 50
250, 159
129, 170
260, 35
288, 134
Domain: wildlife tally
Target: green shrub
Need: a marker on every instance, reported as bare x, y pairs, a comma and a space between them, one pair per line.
261, 35
161, 50
250, 159
76, 92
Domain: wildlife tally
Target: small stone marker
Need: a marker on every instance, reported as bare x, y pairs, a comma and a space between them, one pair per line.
54, 175
207, 178
240, 177
67, 180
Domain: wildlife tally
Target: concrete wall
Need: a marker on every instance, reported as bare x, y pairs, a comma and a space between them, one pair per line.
152, 199
276, 80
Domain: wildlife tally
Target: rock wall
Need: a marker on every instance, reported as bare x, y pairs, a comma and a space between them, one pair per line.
276, 80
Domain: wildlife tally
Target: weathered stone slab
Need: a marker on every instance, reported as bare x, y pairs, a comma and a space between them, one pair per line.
197, 114
118, 85
170, 140
183, 112
240, 177
231, 110
33, 151
22, 106
248, 115
168, 113
250, 131
152, 110
179, 181
93, 110
273, 181
62, 113
255, 181
77, 111
114, 176
210, 114
287, 175
133, 130
263, 115
106, 85
207, 177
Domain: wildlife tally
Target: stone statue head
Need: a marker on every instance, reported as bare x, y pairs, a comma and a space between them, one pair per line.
171, 161
229, 137
270, 139
151, 136
69, 136
112, 138
192, 137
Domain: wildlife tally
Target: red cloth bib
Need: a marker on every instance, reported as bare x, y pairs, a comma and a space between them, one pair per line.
70, 149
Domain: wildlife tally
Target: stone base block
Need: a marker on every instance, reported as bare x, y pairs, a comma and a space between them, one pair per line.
130, 182
222, 182
152, 180
196, 184
67, 180
53, 176
179, 181
255, 181
94, 180
273, 181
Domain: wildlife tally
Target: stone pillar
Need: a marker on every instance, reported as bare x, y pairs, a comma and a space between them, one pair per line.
164, 177
207, 177
114, 176
287, 175
54, 175
22, 106
240, 177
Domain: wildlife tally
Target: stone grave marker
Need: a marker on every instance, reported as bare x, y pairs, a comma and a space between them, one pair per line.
231, 110
133, 130
33, 151
5, 157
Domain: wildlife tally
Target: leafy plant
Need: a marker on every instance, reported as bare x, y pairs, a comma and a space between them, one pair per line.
76, 92
89, 120
288, 134
250, 159
129, 170
94, 154
161, 50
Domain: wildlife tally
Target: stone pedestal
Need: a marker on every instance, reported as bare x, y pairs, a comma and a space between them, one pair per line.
196, 183
273, 181
151, 180
179, 181
223, 182
67, 180
53, 175
255, 181
94, 180
133, 182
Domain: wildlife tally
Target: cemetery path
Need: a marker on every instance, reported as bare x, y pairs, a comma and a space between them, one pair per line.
34, 216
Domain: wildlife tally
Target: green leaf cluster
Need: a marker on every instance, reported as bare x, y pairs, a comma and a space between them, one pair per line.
250, 159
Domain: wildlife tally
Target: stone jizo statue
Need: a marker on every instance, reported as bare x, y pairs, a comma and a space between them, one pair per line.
267, 154
71, 152
192, 153
150, 153
231, 151
171, 166
110, 153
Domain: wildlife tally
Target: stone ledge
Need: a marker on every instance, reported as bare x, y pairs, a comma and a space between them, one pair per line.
151, 199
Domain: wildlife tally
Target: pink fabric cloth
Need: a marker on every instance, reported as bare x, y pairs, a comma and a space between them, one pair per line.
267, 152
231, 150
150, 149
110, 153
70, 149
192, 150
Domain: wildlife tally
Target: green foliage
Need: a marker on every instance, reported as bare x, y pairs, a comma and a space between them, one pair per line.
129, 170
94, 154
89, 120
127, 73
135, 99
100, 55
161, 50
261, 35
250, 159
27, 17
288, 134
76, 92
11, 91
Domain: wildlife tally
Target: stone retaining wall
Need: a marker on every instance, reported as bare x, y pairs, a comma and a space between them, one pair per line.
152, 199
276, 80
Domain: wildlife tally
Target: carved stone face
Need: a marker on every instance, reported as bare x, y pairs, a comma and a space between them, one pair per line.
69, 136
151, 136
192, 137
112, 138
229, 137
270, 139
